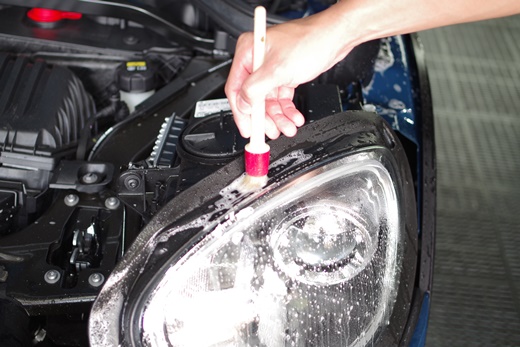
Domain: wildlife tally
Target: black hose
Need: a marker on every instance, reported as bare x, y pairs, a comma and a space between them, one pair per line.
116, 109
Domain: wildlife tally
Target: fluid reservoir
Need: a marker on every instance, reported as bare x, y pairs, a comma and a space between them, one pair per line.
137, 81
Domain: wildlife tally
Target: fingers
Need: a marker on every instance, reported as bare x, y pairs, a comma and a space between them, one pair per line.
280, 108
244, 88
271, 129
285, 98
256, 87
276, 113
291, 112
281, 117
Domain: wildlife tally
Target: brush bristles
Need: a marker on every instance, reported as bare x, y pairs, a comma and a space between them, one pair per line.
250, 183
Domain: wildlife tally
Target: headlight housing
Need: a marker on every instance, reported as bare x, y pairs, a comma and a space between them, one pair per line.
323, 256
314, 263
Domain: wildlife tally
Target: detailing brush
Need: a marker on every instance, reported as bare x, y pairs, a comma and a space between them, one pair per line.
257, 151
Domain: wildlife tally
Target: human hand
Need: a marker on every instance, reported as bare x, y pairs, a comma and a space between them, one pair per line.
296, 52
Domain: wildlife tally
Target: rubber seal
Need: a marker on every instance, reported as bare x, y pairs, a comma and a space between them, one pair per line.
257, 164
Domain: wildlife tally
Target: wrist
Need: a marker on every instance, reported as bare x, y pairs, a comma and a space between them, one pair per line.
347, 26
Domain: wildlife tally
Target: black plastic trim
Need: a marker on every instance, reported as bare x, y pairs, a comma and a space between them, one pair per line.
427, 178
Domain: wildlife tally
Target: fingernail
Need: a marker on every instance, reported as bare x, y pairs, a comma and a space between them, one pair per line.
300, 121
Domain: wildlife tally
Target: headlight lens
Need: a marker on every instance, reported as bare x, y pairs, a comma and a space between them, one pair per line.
323, 244
313, 264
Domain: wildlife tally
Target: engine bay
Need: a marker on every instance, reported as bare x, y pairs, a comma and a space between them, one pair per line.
103, 120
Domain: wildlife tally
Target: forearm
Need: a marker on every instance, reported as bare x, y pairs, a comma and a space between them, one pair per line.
365, 20
298, 51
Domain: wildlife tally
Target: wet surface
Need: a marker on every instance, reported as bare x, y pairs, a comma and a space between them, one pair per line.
270, 301
475, 77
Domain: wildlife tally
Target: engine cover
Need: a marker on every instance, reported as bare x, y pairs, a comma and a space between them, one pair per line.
42, 111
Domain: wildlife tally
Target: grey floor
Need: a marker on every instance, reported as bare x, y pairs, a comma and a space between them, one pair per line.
475, 77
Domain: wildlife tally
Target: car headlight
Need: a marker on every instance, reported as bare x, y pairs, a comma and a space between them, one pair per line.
324, 255
314, 263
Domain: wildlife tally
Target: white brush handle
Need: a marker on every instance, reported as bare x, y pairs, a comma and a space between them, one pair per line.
257, 141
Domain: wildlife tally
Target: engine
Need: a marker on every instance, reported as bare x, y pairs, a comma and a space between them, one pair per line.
103, 121
42, 112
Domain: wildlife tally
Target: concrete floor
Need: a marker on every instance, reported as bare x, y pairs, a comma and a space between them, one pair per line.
475, 77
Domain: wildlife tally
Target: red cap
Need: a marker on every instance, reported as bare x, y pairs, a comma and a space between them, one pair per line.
44, 15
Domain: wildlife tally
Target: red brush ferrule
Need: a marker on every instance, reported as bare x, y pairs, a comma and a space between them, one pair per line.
257, 164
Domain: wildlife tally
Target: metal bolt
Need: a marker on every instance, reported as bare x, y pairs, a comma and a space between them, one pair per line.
71, 200
90, 178
112, 203
52, 276
96, 279
132, 182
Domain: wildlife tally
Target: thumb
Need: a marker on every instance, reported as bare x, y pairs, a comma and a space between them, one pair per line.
255, 89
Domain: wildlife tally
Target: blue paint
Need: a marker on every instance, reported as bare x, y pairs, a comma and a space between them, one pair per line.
390, 90
317, 5
313, 6
293, 14
419, 336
